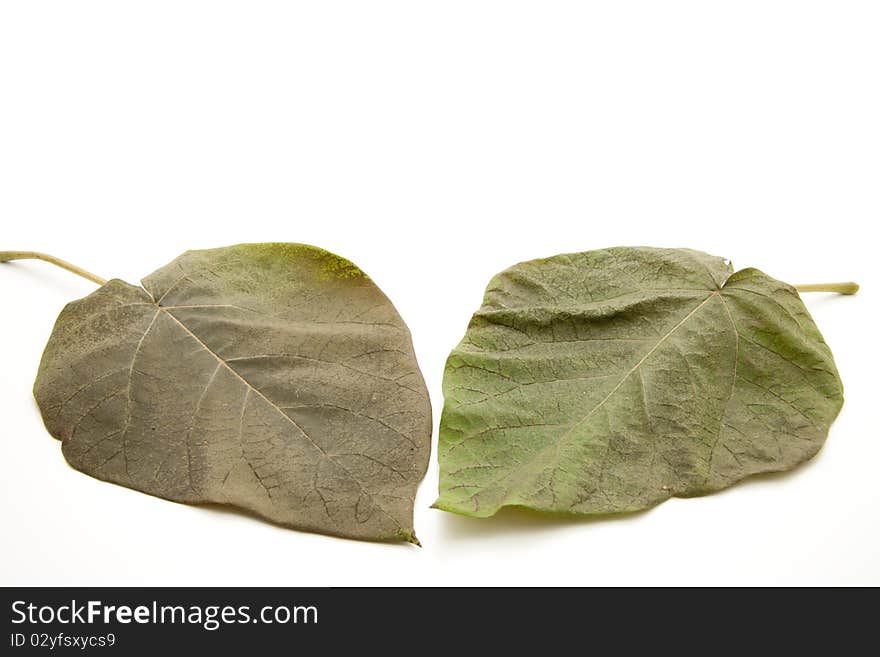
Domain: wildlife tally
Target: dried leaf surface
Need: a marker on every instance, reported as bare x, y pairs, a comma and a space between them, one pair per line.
272, 377
609, 381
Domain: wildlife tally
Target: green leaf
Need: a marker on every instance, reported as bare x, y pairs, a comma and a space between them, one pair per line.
276, 378
609, 381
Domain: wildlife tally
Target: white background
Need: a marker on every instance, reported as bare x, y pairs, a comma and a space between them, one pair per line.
434, 144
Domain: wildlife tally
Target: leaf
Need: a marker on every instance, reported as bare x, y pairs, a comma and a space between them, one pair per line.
276, 378
609, 381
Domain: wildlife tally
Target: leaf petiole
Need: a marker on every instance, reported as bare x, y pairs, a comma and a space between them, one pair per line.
840, 288
6, 256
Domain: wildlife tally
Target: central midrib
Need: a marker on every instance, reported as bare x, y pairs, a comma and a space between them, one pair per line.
275, 407
559, 441
638, 365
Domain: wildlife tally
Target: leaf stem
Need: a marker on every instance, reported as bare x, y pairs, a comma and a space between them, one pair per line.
841, 288
6, 256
